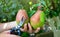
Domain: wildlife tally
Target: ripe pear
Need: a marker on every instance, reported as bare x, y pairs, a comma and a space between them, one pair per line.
38, 19
21, 13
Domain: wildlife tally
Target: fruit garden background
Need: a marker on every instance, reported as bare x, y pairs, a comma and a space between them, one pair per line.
9, 9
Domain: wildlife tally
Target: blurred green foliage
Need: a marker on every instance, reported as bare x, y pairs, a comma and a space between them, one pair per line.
9, 8
51, 7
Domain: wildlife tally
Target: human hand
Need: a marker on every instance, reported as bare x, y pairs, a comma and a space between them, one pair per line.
28, 28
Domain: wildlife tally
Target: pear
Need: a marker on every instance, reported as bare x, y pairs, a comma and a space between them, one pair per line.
38, 19
21, 13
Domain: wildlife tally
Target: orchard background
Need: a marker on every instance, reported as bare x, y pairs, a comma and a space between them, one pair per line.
9, 9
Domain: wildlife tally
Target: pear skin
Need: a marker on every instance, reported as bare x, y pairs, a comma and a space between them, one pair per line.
21, 13
37, 20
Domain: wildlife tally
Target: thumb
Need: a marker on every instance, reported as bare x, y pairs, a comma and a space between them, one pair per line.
37, 30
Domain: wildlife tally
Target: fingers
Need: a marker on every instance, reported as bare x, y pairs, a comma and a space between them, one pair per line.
25, 27
30, 28
37, 30
22, 29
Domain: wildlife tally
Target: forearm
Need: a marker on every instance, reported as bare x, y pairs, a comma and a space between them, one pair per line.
8, 35
6, 26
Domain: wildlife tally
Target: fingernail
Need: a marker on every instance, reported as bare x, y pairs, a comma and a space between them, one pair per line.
29, 23
39, 28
